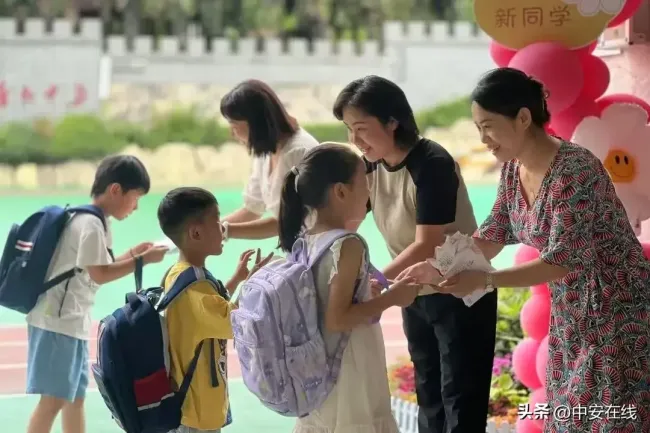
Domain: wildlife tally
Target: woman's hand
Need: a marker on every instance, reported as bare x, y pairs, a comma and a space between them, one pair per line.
421, 272
464, 283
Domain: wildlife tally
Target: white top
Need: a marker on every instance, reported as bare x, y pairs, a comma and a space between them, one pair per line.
66, 308
264, 188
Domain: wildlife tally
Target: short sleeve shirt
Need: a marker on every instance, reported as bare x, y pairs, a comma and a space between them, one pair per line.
66, 307
264, 186
426, 188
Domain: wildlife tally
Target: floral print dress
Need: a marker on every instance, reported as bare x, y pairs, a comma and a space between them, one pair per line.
598, 374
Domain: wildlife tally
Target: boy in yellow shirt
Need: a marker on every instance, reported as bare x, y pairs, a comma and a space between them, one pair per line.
201, 313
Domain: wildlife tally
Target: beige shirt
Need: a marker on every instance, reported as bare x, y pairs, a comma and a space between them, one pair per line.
426, 188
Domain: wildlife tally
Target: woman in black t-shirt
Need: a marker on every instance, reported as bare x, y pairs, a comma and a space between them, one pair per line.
417, 196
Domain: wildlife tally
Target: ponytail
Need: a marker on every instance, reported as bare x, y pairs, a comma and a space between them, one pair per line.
292, 212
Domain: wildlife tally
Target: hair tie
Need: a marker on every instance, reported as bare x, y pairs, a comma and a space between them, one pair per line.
294, 170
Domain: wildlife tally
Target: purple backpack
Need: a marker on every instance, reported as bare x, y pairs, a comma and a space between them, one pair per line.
277, 334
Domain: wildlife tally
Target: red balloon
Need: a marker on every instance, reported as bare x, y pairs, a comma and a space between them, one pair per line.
557, 67
523, 363
538, 397
596, 79
541, 360
624, 98
535, 316
565, 123
500, 54
629, 8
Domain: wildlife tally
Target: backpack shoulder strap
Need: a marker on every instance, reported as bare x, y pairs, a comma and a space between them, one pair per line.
183, 281
220, 288
326, 240
92, 210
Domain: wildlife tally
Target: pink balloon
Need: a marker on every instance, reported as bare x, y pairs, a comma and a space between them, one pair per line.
541, 360
525, 254
646, 249
535, 316
565, 123
596, 79
538, 397
555, 66
624, 98
541, 290
501, 55
549, 130
523, 363
629, 8
527, 425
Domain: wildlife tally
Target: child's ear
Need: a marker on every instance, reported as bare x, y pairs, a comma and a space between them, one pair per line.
194, 233
115, 188
339, 190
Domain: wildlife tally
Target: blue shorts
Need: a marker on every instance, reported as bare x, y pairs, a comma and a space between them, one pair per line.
57, 365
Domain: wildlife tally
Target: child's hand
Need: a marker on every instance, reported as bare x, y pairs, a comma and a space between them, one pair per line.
140, 248
241, 271
154, 254
375, 288
259, 262
403, 291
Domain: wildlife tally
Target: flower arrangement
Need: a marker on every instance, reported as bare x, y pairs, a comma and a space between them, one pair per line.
401, 379
506, 392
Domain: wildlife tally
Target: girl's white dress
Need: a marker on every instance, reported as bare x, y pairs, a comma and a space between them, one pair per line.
360, 401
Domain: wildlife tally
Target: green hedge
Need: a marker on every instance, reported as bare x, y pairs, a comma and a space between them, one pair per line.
89, 137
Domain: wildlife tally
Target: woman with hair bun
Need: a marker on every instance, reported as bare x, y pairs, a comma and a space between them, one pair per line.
557, 197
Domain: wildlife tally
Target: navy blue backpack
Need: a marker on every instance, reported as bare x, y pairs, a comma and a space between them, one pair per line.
28, 252
132, 368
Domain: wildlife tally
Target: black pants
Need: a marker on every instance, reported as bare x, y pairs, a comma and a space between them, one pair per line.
452, 349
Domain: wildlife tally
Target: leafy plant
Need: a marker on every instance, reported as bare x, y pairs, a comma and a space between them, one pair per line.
86, 136
509, 331
83, 136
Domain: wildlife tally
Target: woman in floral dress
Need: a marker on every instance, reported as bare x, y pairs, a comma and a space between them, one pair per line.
557, 197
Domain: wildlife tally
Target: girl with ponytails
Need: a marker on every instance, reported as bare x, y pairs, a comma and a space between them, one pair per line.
327, 191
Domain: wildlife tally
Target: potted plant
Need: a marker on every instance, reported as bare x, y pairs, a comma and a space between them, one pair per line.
505, 396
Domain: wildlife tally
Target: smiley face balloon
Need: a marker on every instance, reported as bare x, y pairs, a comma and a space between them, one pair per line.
620, 138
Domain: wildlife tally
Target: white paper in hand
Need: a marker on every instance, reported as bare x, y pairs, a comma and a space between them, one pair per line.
459, 253
171, 248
